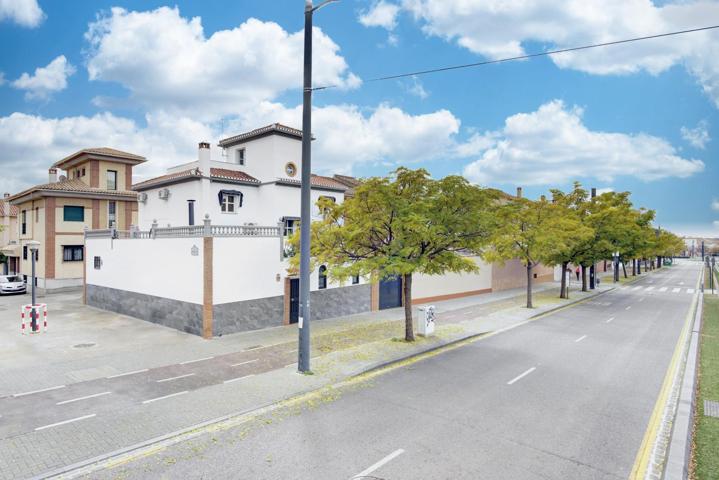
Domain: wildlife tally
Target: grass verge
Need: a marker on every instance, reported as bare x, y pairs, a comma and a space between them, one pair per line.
706, 435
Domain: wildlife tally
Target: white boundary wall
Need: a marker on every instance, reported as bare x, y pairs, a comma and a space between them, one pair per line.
424, 286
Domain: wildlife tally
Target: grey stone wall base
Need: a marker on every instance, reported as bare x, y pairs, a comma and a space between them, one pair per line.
341, 301
183, 316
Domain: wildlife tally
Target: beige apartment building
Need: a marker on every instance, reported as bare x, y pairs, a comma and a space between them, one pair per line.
94, 192
9, 247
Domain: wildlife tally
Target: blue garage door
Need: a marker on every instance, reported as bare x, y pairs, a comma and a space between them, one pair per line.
390, 293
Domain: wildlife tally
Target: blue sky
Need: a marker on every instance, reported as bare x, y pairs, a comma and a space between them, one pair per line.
155, 78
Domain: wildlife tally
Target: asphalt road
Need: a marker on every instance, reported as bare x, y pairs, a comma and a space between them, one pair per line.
568, 396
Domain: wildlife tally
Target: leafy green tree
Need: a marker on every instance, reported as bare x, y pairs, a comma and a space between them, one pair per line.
406, 224
532, 231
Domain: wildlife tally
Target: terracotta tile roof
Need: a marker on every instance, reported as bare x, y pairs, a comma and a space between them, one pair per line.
347, 180
216, 173
258, 132
7, 210
316, 181
225, 174
105, 151
72, 186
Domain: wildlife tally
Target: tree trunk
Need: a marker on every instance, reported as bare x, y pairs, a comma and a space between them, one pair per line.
529, 285
563, 291
407, 298
639, 266
624, 269
584, 279
634, 267
605, 265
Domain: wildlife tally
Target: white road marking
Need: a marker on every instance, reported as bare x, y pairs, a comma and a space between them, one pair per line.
83, 398
166, 396
648, 289
676, 290
379, 464
519, 377
637, 288
238, 378
197, 360
128, 373
244, 363
610, 320
641, 299
64, 422
39, 391
681, 283
663, 289
690, 290
628, 307
175, 378
580, 339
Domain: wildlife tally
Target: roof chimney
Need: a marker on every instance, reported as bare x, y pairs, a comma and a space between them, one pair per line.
5, 195
52, 175
519, 192
203, 157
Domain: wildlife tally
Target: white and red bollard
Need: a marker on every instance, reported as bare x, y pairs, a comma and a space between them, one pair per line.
26, 314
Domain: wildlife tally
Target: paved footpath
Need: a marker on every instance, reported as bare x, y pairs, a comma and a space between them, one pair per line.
566, 396
128, 398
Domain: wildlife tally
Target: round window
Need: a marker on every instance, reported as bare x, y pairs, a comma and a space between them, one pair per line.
290, 169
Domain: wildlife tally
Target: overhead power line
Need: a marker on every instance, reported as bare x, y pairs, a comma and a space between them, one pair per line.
524, 57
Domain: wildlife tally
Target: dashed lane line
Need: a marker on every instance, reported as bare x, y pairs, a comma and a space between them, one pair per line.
609, 320
580, 339
648, 289
663, 289
86, 397
378, 465
521, 376
64, 422
175, 378
676, 290
628, 307
196, 360
164, 397
244, 363
57, 387
128, 373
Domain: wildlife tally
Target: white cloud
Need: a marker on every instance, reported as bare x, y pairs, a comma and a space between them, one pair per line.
697, 137
23, 12
46, 80
30, 143
553, 146
500, 29
2, 78
184, 71
380, 14
715, 205
347, 136
416, 88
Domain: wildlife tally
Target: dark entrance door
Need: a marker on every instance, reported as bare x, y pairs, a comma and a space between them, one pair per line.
390, 293
294, 300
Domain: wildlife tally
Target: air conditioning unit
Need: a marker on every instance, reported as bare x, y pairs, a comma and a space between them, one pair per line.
142, 197
164, 194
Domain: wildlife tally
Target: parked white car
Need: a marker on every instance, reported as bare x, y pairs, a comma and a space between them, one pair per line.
12, 284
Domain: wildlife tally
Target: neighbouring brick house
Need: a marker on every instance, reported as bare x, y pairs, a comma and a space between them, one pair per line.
8, 236
94, 193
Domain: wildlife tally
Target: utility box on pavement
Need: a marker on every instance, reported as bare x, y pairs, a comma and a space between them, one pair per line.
425, 321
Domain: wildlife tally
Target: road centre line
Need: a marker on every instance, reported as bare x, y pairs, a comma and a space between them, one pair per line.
164, 397
238, 378
244, 363
610, 320
196, 360
580, 339
57, 387
65, 422
83, 398
175, 378
676, 290
663, 289
128, 373
519, 377
380, 464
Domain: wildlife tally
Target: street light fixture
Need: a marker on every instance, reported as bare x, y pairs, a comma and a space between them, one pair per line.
303, 352
33, 246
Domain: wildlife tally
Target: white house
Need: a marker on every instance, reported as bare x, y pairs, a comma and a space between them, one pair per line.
257, 182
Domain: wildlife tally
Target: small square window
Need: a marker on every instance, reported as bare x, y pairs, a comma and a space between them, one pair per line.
355, 279
228, 203
111, 180
240, 156
73, 214
72, 253
97, 262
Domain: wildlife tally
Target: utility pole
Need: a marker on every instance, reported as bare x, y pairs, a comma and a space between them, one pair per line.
303, 352
592, 267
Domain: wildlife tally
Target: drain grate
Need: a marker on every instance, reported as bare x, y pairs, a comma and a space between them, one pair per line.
711, 409
83, 345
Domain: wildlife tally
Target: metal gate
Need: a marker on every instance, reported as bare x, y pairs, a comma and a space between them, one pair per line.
390, 293
294, 300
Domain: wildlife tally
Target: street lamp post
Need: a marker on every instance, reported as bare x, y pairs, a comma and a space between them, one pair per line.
303, 352
33, 246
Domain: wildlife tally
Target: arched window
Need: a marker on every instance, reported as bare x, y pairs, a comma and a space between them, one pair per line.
323, 277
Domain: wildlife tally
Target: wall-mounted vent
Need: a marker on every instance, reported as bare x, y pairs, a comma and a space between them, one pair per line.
164, 194
142, 198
